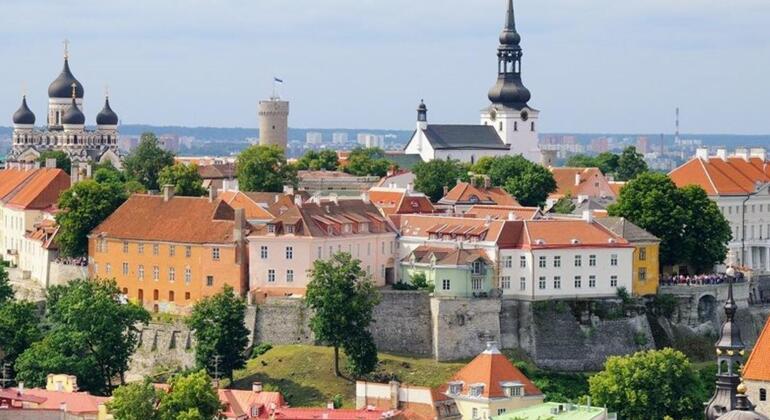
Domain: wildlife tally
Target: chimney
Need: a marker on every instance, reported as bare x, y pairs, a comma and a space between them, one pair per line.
89, 170
288, 189
394, 399
742, 153
297, 200
212, 194
409, 187
20, 388
238, 223
702, 153
168, 192
511, 216
50, 163
487, 182
36, 165
334, 199
256, 386
330, 405
73, 176
588, 216
722, 153
758, 152
446, 190
577, 178
365, 197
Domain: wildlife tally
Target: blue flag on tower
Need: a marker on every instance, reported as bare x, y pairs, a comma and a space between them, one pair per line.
277, 80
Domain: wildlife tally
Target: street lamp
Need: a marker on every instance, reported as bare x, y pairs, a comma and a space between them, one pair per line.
730, 273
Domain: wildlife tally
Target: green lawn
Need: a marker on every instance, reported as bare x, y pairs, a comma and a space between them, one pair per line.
305, 374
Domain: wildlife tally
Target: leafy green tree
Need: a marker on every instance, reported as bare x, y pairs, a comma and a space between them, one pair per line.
630, 164
361, 352
264, 168
367, 161
93, 333
315, 161
185, 179
135, 401
530, 183
430, 178
706, 231
6, 291
145, 162
19, 329
83, 207
607, 162
63, 161
564, 205
342, 298
651, 385
191, 397
220, 331
581, 161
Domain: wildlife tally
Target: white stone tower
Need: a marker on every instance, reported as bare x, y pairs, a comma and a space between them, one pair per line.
274, 122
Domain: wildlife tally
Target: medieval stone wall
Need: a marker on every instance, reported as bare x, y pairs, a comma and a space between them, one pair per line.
462, 327
162, 347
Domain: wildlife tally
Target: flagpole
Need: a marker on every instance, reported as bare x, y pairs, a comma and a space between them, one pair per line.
273, 87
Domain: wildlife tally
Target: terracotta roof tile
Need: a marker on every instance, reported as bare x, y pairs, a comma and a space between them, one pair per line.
757, 367
77, 402
492, 369
717, 176
11, 179
39, 191
465, 193
560, 233
239, 200
580, 181
239, 402
503, 212
303, 413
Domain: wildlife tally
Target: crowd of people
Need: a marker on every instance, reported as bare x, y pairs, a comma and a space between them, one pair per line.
698, 280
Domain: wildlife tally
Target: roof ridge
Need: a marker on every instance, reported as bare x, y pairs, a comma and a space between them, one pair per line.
711, 181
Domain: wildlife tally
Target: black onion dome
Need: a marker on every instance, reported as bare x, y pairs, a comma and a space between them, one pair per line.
73, 116
509, 36
23, 115
422, 106
62, 86
509, 91
107, 116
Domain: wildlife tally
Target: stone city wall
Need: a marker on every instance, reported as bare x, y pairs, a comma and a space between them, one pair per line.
162, 347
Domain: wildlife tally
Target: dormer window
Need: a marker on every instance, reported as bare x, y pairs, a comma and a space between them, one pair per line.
347, 227
477, 267
513, 389
330, 230
363, 227
476, 390
289, 228
455, 388
271, 228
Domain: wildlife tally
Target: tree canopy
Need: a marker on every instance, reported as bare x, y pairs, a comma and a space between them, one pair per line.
342, 298
63, 161
691, 227
564, 205
220, 331
630, 164
6, 291
529, 182
145, 162
19, 323
650, 385
191, 396
607, 162
367, 161
264, 169
624, 167
185, 179
430, 178
134, 401
315, 161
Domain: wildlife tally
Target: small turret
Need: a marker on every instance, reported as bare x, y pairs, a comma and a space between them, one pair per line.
422, 116
23, 116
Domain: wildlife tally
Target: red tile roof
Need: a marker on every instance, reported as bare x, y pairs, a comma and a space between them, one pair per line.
492, 369
728, 176
252, 209
11, 179
757, 367
77, 402
400, 201
37, 189
181, 219
503, 212
239, 402
557, 233
330, 414
580, 181
465, 193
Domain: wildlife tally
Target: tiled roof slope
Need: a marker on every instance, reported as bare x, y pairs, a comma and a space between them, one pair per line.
492, 368
448, 256
41, 190
627, 230
718, 176
11, 179
77, 402
566, 182
757, 368
239, 200
181, 219
503, 212
464, 193
400, 201
445, 136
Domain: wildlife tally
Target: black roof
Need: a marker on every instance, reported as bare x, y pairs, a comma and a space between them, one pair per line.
73, 115
62, 86
107, 116
23, 115
442, 136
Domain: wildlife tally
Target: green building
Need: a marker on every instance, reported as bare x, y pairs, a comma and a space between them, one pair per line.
557, 411
453, 272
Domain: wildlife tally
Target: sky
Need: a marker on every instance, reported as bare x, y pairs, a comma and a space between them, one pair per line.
592, 65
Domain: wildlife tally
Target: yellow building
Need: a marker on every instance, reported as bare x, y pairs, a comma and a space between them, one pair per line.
646, 263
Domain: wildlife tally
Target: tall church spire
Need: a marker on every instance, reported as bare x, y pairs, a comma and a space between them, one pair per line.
509, 90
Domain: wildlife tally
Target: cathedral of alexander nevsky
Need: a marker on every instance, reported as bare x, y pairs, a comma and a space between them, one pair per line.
65, 129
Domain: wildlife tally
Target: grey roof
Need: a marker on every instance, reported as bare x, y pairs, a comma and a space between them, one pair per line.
442, 136
591, 203
627, 230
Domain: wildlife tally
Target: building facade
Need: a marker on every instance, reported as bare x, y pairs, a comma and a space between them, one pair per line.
646, 258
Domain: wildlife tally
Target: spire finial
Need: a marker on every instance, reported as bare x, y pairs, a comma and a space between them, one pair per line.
23, 89
510, 21
66, 48
106, 91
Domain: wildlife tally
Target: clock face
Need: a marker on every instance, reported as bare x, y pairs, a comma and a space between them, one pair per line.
492, 115
524, 115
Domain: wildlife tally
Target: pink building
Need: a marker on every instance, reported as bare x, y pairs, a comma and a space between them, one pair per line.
282, 251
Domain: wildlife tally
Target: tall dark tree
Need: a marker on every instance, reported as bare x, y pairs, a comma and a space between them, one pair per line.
430, 178
706, 231
19, 329
630, 164
342, 298
63, 161
530, 183
185, 179
367, 162
145, 162
264, 168
6, 291
220, 332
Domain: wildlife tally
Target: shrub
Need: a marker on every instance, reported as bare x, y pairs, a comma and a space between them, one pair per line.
665, 305
261, 349
337, 401
403, 286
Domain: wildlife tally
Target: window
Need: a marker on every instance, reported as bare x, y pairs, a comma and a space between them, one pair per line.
187, 275
642, 274
271, 228
476, 284
125, 247
592, 260
476, 391
614, 260
501, 126
369, 249
263, 252
187, 251
591, 281
508, 261
155, 295
155, 273
578, 282
613, 281
557, 261
140, 272
505, 282
96, 268
320, 252
500, 411
289, 252
171, 274
170, 295
125, 268
289, 228
215, 253
557, 282
762, 394
476, 267
140, 248
271, 276
209, 281
642, 254
541, 262
523, 283
541, 283
455, 387
446, 284
289, 276
523, 262
155, 249
475, 413
108, 268
171, 250
512, 390
186, 295
532, 126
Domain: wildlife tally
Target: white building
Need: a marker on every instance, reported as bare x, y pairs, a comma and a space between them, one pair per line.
508, 124
314, 138
371, 140
339, 138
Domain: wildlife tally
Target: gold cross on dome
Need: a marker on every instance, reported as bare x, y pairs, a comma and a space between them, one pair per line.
74, 90
66, 48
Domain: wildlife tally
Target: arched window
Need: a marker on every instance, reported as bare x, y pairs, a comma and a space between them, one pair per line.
762, 394
532, 126
515, 126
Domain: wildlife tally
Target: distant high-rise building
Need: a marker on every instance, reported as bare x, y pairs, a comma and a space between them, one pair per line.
314, 138
274, 122
340, 138
642, 144
371, 140
600, 145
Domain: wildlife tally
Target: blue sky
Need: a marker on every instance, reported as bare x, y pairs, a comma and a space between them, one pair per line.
592, 66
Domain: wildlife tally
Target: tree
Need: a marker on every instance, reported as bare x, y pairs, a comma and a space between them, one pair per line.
185, 179
145, 162
191, 396
63, 161
564, 205
651, 384
361, 352
580, 161
706, 231
367, 162
220, 331
607, 162
430, 178
93, 334
264, 168
530, 183
316, 161
6, 291
19, 329
343, 297
630, 164
135, 401
83, 207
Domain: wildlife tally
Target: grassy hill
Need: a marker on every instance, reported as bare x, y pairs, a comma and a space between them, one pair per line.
305, 374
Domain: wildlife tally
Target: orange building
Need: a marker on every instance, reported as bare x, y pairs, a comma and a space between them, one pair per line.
167, 252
